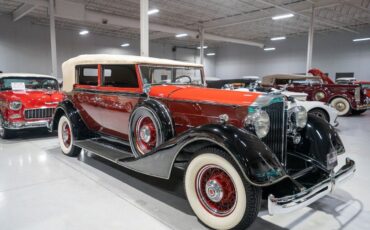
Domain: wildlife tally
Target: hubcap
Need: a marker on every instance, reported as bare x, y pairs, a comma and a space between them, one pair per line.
340, 106
146, 135
66, 134
216, 190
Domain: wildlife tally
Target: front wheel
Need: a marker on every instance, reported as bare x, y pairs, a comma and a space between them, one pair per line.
4, 133
218, 193
66, 137
341, 105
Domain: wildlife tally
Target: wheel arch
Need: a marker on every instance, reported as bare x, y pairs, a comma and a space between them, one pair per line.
67, 108
321, 109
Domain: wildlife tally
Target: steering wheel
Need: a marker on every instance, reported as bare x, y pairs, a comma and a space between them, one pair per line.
182, 76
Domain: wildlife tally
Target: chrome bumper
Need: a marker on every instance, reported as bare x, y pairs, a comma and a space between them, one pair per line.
27, 124
297, 201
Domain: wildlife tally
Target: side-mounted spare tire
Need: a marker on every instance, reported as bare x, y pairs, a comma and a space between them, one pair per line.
150, 125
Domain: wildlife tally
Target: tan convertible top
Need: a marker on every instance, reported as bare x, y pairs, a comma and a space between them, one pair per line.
270, 79
69, 66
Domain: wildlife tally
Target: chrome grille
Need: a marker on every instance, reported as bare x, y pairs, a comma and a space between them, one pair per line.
276, 138
39, 113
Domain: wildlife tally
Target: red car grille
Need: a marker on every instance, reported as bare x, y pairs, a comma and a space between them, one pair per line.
38, 113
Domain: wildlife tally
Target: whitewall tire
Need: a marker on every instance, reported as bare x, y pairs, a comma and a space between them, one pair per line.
66, 137
341, 105
219, 195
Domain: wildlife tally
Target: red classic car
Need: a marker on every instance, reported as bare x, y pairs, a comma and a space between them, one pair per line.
235, 148
27, 101
366, 86
344, 98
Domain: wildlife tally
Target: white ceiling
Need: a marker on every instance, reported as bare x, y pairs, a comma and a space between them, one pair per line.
241, 19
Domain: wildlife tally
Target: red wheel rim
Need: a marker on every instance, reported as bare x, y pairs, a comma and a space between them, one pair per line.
146, 135
66, 135
216, 190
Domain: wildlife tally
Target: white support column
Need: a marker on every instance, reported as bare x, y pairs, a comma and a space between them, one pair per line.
310, 40
201, 37
144, 28
53, 44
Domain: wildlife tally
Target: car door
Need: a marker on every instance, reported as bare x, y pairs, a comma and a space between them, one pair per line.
85, 97
120, 92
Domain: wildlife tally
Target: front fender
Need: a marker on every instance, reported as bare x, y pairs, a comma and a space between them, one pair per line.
256, 161
318, 140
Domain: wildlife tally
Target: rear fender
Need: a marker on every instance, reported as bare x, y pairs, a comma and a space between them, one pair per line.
67, 108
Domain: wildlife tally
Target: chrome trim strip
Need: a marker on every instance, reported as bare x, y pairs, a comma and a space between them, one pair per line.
29, 125
294, 202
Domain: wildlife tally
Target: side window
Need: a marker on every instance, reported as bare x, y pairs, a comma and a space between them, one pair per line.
87, 75
120, 76
282, 81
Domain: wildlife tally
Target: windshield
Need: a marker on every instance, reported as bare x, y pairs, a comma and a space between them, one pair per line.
158, 75
28, 83
307, 81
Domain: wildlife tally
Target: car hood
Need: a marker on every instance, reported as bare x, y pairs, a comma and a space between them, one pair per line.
204, 95
34, 98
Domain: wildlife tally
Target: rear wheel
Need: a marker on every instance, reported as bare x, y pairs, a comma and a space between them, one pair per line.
341, 105
4, 133
320, 113
66, 137
218, 193
358, 112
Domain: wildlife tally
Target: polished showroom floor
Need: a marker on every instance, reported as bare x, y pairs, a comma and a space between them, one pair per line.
42, 189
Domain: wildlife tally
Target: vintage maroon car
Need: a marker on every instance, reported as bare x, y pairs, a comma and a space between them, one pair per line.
27, 101
235, 148
344, 98
366, 86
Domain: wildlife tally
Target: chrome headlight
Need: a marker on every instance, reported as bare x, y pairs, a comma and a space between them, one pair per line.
299, 116
15, 105
259, 121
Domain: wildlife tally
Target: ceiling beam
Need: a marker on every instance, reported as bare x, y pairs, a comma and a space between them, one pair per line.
79, 13
22, 11
264, 18
319, 19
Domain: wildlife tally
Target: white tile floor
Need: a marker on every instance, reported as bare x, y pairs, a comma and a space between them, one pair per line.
42, 189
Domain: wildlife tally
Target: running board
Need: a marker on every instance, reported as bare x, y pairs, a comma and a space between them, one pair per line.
105, 150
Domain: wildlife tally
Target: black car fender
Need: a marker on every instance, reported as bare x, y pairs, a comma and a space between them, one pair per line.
319, 139
79, 128
257, 162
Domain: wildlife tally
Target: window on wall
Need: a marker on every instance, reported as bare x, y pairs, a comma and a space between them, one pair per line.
120, 76
87, 75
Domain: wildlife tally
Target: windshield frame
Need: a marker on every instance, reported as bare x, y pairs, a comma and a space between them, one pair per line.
203, 84
57, 88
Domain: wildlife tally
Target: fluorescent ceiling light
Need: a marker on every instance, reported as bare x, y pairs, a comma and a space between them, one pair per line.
278, 38
153, 11
125, 45
361, 39
211, 54
204, 47
283, 16
181, 35
84, 32
269, 49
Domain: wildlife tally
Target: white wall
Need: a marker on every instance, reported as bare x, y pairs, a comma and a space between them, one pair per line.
333, 52
25, 47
